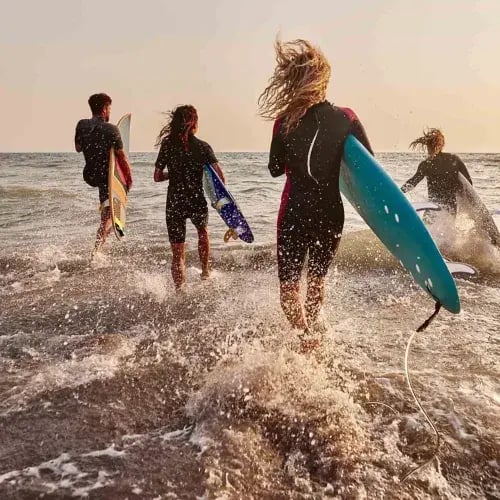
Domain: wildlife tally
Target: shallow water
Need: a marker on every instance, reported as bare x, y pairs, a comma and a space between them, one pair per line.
114, 386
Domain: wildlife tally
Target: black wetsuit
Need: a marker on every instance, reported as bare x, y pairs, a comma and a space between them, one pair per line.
442, 179
185, 198
311, 216
96, 137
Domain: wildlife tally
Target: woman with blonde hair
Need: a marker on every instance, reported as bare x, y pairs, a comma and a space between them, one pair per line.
441, 170
307, 145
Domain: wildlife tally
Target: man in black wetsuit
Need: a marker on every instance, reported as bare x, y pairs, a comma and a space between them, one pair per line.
441, 170
308, 143
95, 137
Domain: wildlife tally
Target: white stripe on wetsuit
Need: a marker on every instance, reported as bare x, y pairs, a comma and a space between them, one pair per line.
309, 156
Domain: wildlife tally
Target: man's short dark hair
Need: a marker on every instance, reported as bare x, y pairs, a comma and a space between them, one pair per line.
97, 102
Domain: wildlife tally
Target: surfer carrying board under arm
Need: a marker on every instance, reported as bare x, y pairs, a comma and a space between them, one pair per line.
95, 137
307, 145
180, 161
441, 170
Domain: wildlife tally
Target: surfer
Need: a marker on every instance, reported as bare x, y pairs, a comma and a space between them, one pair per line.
183, 156
307, 145
95, 137
441, 170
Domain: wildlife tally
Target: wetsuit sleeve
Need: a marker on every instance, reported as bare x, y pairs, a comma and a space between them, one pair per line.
116, 138
463, 169
411, 183
78, 137
209, 154
161, 160
276, 155
357, 129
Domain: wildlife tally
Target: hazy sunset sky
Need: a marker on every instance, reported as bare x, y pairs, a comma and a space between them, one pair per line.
400, 64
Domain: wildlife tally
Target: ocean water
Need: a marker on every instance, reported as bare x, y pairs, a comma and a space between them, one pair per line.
114, 386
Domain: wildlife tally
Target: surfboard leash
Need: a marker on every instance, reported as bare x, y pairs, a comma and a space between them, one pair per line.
431, 318
421, 328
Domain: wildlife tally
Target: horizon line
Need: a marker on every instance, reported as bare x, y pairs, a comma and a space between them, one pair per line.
416, 153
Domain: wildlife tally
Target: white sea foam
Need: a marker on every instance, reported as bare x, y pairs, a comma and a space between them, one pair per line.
267, 421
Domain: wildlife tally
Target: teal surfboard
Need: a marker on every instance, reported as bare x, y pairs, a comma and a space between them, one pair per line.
392, 218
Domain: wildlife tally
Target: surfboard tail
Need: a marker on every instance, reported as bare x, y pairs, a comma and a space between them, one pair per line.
225, 205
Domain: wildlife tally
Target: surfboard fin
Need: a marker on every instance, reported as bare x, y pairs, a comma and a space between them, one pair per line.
230, 233
457, 268
422, 206
119, 227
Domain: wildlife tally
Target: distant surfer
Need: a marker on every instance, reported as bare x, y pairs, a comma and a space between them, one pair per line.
180, 161
307, 145
441, 170
95, 137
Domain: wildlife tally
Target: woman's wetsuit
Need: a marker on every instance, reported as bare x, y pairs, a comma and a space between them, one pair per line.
185, 198
442, 179
311, 216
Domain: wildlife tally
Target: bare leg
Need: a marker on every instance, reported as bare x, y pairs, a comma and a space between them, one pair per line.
104, 229
291, 304
204, 252
178, 264
315, 298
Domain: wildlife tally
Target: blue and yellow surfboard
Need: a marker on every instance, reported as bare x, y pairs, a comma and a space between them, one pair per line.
222, 200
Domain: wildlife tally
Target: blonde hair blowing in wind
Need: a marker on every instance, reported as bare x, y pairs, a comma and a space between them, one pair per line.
299, 81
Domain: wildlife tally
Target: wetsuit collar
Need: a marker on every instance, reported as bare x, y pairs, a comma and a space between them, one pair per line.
318, 104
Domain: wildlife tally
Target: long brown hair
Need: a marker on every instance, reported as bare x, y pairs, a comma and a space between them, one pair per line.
299, 81
432, 138
182, 121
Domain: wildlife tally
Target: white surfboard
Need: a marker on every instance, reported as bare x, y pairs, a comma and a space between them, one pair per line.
422, 206
469, 202
459, 268
118, 191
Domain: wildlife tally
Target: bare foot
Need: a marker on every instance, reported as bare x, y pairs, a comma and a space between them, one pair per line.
308, 345
205, 275
319, 326
96, 251
309, 341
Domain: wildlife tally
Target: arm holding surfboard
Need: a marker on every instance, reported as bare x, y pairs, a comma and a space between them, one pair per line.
121, 158
220, 173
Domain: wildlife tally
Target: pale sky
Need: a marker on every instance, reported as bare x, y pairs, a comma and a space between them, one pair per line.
401, 65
